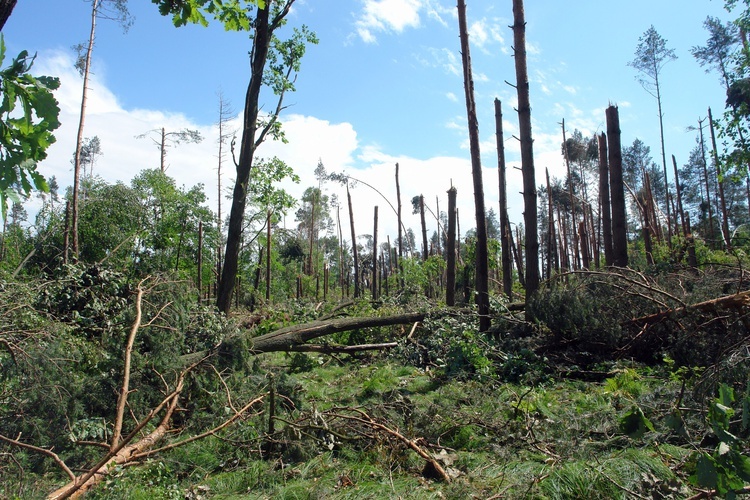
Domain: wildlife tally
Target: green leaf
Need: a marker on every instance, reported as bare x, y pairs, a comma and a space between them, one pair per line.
705, 472
635, 424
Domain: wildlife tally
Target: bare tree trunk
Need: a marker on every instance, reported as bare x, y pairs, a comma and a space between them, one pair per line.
519, 258
312, 235
678, 189
450, 286
6, 8
606, 216
200, 259
163, 150
354, 244
551, 247
527, 150
375, 255
482, 266
720, 182
505, 236
425, 248
79, 137
256, 278
617, 190
576, 263
708, 189
400, 234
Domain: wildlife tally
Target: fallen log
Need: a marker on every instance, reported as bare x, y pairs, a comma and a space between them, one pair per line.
734, 301
291, 337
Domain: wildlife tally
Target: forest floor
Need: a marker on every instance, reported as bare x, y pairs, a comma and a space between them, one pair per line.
556, 439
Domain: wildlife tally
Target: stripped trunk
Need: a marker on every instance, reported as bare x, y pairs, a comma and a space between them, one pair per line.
425, 248
606, 217
576, 262
354, 244
617, 190
720, 182
375, 255
527, 152
482, 266
400, 234
505, 236
450, 286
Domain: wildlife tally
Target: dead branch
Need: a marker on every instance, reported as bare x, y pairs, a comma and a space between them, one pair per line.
43, 451
367, 420
735, 301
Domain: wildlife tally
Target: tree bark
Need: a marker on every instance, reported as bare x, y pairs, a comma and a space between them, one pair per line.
482, 263
375, 255
505, 252
425, 248
81, 120
6, 8
617, 190
354, 243
606, 216
450, 285
400, 234
576, 263
720, 182
527, 151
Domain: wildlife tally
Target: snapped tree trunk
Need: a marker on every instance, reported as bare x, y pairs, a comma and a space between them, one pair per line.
450, 285
354, 243
576, 263
400, 234
482, 265
720, 182
6, 8
606, 217
505, 252
617, 190
527, 150
551, 247
425, 248
375, 255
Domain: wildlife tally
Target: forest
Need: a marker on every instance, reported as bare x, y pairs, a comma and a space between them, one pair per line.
153, 346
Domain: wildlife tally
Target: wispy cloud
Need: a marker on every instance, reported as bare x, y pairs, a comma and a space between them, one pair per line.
387, 16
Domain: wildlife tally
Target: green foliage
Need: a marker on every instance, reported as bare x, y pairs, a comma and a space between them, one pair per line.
635, 424
727, 469
233, 14
24, 136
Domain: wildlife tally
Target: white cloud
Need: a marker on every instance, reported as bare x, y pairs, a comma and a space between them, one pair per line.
451, 96
387, 15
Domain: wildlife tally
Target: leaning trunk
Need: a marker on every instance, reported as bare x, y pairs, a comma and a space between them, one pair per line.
504, 232
604, 197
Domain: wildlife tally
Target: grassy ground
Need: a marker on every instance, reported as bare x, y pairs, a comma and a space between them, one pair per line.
556, 439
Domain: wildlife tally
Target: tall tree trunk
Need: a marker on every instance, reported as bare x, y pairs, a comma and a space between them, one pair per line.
663, 160
79, 137
705, 178
551, 250
505, 236
375, 255
527, 151
425, 248
163, 150
312, 235
341, 250
678, 189
606, 217
519, 258
259, 53
6, 8
268, 256
617, 190
354, 244
482, 262
200, 259
720, 182
450, 252
576, 263
400, 234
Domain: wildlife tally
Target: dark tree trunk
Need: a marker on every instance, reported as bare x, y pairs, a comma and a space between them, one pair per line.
720, 182
375, 255
606, 216
261, 43
6, 8
312, 235
256, 279
519, 258
482, 266
354, 244
400, 234
527, 151
708, 189
505, 236
450, 286
425, 248
678, 189
617, 190
200, 259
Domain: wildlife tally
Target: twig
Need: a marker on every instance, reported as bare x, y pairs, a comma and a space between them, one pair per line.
43, 451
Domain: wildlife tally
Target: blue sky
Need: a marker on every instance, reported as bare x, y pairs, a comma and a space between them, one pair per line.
383, 86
